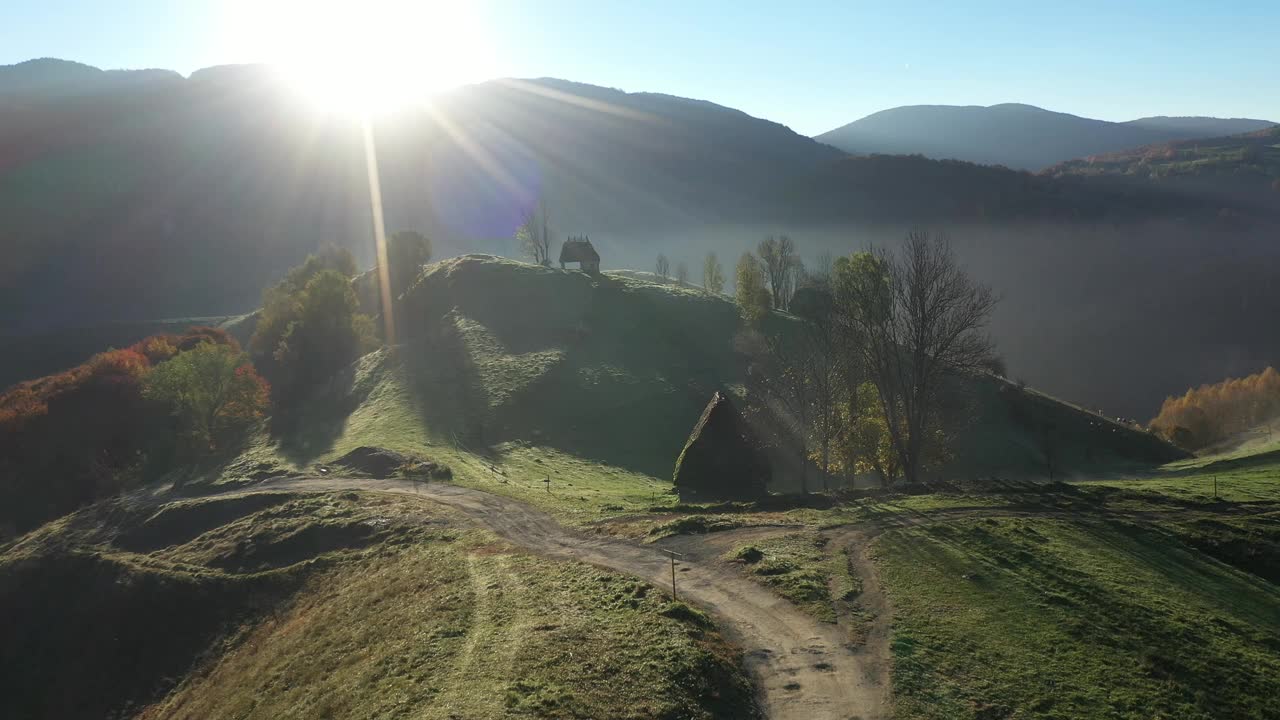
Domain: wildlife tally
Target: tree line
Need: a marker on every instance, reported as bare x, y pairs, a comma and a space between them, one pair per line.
864, 382
863, 379
1211, 413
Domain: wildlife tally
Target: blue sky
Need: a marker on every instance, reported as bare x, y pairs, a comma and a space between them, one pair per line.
810, 65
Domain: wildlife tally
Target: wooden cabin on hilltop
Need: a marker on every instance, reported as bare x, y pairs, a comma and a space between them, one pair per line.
579, 250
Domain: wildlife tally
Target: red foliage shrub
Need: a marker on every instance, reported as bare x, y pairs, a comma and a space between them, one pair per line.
118, 366
156, 348
253, 396
68, 438
201, 333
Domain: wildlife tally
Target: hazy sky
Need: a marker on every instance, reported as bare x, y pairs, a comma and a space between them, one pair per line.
812, 66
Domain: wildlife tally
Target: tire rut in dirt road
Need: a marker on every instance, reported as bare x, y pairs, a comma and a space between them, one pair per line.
804, 669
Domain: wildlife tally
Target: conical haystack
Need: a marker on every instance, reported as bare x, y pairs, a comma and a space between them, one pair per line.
722, 460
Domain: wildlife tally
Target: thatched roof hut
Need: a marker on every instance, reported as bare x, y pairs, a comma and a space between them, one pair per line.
722, 460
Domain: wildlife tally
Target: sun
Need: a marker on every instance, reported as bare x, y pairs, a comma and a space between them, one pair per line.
363, 57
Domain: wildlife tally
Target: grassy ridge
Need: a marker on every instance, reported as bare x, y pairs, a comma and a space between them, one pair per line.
338, 605
511, 373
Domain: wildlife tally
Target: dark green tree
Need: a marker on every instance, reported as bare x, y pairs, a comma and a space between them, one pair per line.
407, 252
213, 393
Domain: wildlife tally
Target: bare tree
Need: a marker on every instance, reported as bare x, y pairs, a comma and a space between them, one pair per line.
663, 267
919, 319
712, 274
781, 264
534, 235
682, 273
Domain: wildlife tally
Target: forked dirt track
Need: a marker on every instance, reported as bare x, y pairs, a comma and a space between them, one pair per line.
804, 669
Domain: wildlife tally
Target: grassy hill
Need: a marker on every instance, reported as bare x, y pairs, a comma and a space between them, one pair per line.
1139, 597
1136, 596
1046, 618
539, 372
336, 605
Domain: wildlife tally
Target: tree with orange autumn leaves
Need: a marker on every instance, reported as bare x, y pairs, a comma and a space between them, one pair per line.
1210, 413
87, 432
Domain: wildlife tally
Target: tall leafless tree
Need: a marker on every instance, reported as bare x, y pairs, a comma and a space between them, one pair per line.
663, 267
682, 273
534, 234
919, 319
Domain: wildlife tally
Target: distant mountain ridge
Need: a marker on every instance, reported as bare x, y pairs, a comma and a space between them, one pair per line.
1018, 136
209, 186
123, 199
1202, 127
50, 77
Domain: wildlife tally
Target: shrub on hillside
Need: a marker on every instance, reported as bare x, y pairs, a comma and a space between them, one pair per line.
213, 394
309, 328
85, 433
407, 252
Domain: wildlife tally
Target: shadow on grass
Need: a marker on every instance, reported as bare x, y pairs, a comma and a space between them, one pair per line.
310, 430
446, 389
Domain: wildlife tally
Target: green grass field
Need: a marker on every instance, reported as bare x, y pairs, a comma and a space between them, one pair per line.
1048, 619
339, 605
1239, 479
531, 373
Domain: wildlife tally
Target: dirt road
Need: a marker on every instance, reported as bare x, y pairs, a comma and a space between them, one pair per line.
805, 669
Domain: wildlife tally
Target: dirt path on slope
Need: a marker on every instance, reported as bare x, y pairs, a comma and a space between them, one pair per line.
804, 669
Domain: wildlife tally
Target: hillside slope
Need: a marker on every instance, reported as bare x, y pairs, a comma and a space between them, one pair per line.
1014, 135
503, 359
1245, 166
296, 605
